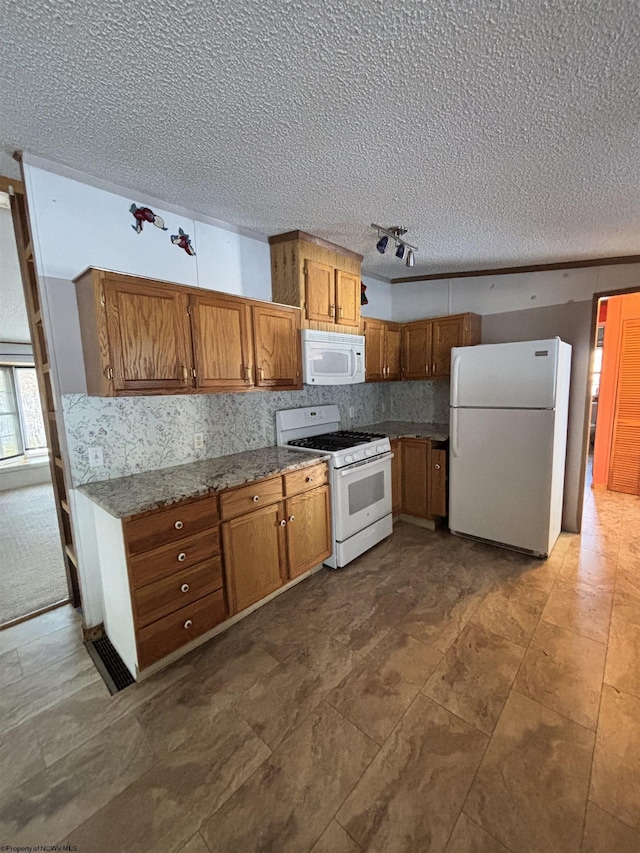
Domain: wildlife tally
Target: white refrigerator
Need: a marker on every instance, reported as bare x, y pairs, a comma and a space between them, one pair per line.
509, 409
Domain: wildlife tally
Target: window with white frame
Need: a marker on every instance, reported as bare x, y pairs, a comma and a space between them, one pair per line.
21, 422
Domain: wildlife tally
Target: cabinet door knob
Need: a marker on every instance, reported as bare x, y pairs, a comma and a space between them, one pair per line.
182, 557
283, 523
178, 525
292, 518
309, 480
184, 587
185, 372
255, 498
437, 466
188, 624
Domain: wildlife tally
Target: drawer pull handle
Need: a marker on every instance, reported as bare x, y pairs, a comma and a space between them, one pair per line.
283, 523
255, 498
184, 587
182, 557
188, 624
309, 480
292, 518
437, 466
178, 525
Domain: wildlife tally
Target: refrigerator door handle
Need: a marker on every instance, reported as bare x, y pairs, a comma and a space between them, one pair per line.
454, 432
455, 371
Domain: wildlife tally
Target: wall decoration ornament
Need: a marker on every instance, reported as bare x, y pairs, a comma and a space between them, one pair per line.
145, 214
181, 239
363, 294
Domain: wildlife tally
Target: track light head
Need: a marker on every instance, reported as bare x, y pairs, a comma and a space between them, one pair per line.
404, 251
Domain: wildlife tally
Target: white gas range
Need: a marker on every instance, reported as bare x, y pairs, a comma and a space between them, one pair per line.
359, 476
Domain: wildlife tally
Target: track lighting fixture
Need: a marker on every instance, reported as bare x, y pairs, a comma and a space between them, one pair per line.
396, 234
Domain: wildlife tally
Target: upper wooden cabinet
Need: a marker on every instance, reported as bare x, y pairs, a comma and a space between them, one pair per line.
427, 344
222, 348
276, 344
321, 278
148, 337
382, 350
135, 335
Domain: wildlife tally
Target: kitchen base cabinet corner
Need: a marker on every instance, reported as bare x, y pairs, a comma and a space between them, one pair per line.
172, 576
419, 481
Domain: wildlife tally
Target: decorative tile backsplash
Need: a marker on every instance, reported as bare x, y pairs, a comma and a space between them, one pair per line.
145, 433
426, 401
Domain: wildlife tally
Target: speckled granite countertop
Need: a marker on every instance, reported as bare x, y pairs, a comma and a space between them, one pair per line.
407, 429
153, 489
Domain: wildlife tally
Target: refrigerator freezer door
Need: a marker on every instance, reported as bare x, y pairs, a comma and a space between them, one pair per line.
501, 476
518, 375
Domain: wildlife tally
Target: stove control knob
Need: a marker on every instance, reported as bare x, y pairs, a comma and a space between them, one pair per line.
369, 451
348, 458
380, 448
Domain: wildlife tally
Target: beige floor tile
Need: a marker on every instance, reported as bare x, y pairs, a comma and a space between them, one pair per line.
50, 805
28, 697
410, 797
580, 608
286, 805
564, 672
167, 805
367, 618
10, 670
72, 722
626, 599
615, 780
623, 660
589, 567
513, 609
335, 840
475, 677
604, 834
440, 615
41, 653
280, 700
229, 666
468, 837
377, 692
531, 789
20, 757
195, 845
39, 626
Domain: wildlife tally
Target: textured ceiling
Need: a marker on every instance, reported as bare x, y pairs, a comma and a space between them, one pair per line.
499, 132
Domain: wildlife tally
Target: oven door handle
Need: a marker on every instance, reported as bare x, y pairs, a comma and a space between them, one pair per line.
344, 472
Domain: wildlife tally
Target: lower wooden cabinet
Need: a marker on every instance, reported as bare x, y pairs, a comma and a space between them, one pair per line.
308, 529
268, 547
419, 478
254, 555
396, 477
167, 580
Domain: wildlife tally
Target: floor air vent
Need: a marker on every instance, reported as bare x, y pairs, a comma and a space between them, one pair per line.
109, 664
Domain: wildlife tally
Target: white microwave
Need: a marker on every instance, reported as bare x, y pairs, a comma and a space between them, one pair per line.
329, 358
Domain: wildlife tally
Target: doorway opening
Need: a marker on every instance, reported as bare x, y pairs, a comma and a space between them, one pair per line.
613, 447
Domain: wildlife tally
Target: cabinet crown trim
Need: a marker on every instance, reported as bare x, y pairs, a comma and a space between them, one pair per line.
305, 237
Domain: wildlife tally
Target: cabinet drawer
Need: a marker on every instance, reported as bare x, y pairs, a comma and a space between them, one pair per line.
156, 600
166, 635
156, 564
241, 501
304, 479
174, 522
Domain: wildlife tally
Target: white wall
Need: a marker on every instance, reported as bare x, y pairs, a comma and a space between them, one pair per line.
379, 295
14, 325
504, 293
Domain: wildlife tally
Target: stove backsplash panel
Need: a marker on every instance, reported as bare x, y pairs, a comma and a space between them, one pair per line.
146, 433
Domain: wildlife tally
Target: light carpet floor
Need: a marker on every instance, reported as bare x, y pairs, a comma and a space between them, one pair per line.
32, 574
